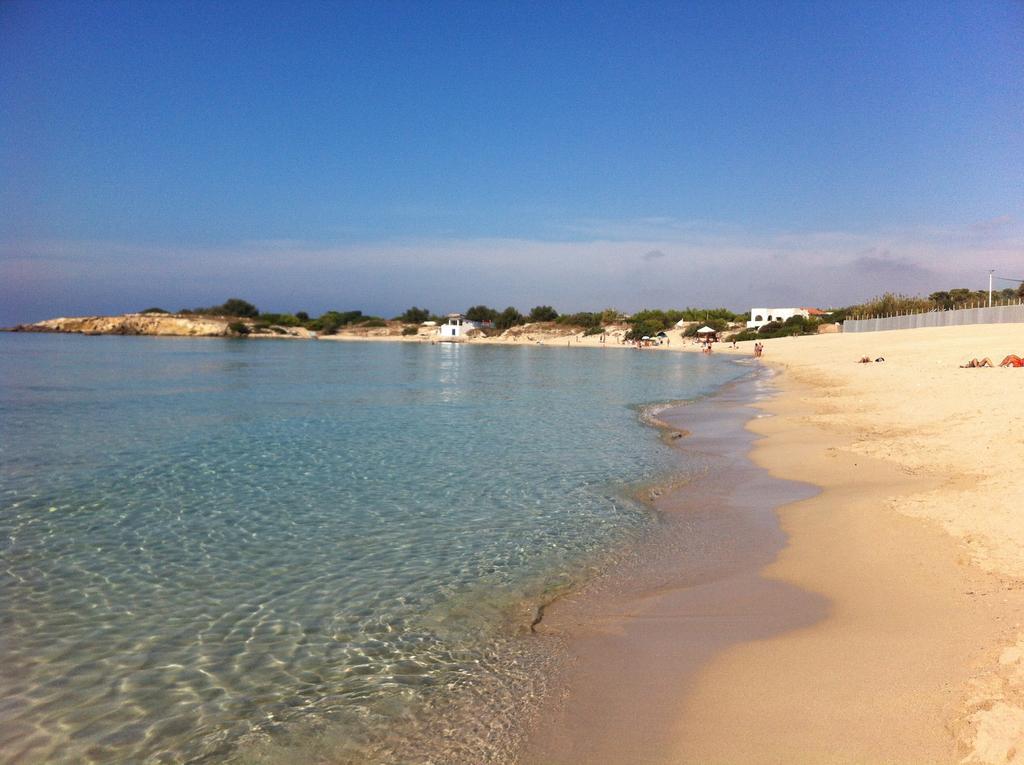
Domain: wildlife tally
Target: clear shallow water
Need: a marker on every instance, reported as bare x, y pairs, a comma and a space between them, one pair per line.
277, 551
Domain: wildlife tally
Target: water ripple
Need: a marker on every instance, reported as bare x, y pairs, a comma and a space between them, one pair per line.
218, 552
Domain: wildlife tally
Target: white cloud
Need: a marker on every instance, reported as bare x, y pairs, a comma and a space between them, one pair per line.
685, 264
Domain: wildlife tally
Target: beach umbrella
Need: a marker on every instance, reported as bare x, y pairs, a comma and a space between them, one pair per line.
646, 337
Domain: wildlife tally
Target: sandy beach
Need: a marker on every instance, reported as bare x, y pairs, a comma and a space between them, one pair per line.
914, 548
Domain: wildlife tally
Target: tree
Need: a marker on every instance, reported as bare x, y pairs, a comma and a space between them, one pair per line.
330, 321
239, 307
960, 296
652, 317
302, 316
835, 316
341, 317
510, 317
645, 328
327, 324
582, 319
414, 315
610, 316
481, 313
719, 325
543, 313
280, 319
1020, 290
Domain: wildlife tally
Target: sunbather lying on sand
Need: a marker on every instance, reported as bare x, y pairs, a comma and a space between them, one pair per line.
985, 362
1013, 360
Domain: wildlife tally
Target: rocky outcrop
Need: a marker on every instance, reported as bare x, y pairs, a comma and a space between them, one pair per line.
166, 325
135, 324
274, 330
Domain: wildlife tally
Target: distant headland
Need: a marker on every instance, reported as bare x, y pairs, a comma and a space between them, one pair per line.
237, 318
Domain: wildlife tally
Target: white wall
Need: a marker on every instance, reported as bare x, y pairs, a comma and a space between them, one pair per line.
1002, 314
761, 316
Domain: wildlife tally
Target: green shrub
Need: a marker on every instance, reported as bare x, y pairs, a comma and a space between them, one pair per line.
747, 334
239, 327
593, 331
508, 318
892, 303
718, 318
414, 315
154, 310
794, 325
610, 316
835, 316
481, 313
649, 328
655, 319
239, 307
329, 322
543, 313
373, 323
281, 319
230, 307
409, 331
583, 319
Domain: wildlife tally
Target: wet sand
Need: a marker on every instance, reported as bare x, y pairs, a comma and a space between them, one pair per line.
639, 641
887, 628
881, 679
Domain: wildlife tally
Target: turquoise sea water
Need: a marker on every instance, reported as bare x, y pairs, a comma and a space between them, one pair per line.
274, 551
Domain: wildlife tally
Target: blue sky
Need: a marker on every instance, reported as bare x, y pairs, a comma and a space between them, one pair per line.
376, 155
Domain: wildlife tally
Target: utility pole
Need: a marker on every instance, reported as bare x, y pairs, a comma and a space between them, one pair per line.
990, 287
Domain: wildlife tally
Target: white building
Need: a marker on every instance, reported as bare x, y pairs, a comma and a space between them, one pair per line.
761, 316
457, 326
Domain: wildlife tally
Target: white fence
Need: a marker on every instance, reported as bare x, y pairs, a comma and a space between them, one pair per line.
997, 314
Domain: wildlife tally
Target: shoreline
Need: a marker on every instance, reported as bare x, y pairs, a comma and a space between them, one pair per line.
916, 539
912, 549
883, 677
641, 635
548, 334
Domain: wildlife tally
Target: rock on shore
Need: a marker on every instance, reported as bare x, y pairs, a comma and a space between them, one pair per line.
134, 324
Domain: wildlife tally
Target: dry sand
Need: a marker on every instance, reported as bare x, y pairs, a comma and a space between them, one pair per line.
917, 541
916, 545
